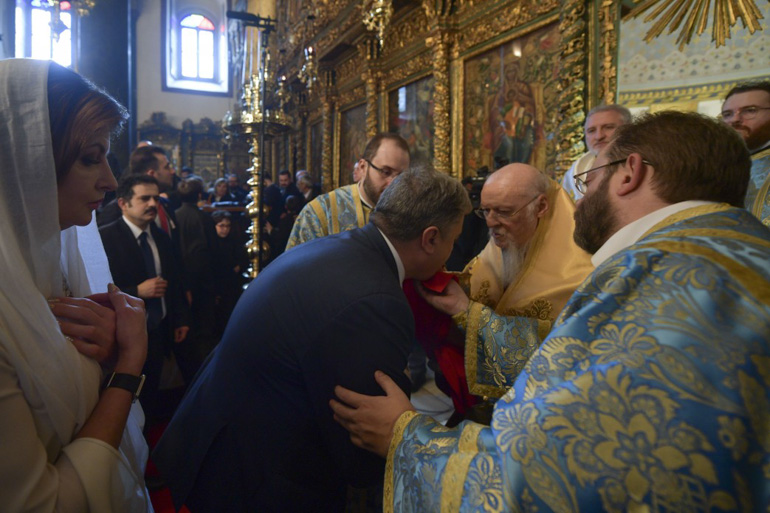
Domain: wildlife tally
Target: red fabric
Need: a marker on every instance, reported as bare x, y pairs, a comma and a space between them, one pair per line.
163, 218
431, 330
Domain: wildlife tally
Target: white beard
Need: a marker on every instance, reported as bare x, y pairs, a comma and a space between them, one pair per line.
513, 258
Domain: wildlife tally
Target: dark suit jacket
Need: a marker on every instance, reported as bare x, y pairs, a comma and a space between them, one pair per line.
255, 431
196, 238
128, 271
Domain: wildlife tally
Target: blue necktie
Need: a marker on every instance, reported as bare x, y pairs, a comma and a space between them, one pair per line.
153, 305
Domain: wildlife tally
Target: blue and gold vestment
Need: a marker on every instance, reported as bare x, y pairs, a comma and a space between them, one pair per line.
338, 211
651, 393
758, 194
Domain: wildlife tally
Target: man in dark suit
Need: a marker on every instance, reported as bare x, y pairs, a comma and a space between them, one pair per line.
142, 264
276, 194
151, 161
197, 238
255, 431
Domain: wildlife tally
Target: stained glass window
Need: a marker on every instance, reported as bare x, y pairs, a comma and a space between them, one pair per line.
197, 47
38, 36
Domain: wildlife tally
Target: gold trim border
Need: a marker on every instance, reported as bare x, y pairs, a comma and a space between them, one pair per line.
398, 435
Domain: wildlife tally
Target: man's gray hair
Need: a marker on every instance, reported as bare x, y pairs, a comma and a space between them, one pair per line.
417, 199
305, 179
625, 114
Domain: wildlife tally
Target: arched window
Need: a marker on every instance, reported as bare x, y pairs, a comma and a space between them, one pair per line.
196, 44
195, 56
44, 33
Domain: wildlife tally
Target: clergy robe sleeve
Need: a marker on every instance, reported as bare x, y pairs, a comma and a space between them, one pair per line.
497, 347
308, 226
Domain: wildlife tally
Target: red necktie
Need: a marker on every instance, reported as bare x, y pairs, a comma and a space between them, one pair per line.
163, 217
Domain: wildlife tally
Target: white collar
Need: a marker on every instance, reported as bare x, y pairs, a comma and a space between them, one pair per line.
136, 230
399, 263
632, 232
364, 201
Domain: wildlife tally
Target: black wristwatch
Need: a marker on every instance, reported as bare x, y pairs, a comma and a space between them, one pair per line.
128, 382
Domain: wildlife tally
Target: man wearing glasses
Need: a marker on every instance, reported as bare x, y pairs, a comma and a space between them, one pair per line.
747, 110
652, 390
601, 123
518, 283
385, 157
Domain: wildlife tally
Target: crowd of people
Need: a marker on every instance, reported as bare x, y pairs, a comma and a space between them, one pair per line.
607, 354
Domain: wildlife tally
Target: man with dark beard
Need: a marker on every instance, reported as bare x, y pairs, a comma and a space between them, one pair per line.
385, 157
653, 388
518, 283
747, 110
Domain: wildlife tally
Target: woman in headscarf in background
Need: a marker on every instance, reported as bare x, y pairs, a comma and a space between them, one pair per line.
64, 445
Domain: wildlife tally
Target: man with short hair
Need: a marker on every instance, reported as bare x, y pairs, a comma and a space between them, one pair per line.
518, 284
263, 437
385, 157
652, 390
276, 194
747, 110
601, 123
142, 264
306, 187
197, 238
235, 188
151, 161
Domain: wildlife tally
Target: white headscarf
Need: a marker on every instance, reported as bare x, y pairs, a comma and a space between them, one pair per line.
60, 385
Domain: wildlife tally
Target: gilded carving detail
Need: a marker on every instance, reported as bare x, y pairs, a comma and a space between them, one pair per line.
439, 42
608, 44
352, 95
572, 86
450, 29
327, 105
501, 21
405, 32
350, 69
435, 9
371, 80
420, 63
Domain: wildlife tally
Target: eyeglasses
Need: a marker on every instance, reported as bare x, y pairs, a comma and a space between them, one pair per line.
386, 173
580, 183
484, 213
749, 112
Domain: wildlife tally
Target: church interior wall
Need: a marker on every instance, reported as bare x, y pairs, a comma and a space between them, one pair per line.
465, 81
659, 75
150, 96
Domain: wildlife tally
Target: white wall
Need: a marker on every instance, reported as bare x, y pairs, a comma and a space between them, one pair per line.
149, 94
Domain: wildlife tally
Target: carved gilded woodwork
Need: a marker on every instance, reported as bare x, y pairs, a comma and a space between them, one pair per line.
350, 69
371, 80
350, 96
502, 20
439, 43
327, 112
435, 38
608, 45
404, 33
409, 69
572, 86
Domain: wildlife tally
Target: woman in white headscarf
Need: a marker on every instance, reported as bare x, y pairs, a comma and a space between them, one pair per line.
64, 444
